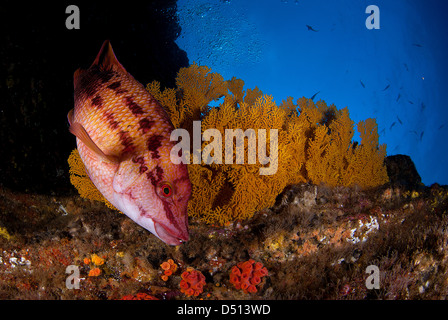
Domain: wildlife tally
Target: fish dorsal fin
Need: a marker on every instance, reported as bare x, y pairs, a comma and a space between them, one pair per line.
78, 130
106, 58
127, 173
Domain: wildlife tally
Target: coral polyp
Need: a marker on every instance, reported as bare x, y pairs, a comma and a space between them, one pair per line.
192, 282
247, 275
168, 267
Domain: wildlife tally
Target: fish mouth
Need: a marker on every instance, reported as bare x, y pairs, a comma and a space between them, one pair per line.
170, 236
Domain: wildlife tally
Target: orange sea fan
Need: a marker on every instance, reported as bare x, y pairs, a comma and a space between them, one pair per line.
314, 145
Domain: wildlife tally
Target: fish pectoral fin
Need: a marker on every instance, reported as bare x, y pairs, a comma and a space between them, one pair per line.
70, 117
78, 130
125, 176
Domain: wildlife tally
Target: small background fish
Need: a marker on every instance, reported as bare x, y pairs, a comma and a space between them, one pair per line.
310, 28
123, 138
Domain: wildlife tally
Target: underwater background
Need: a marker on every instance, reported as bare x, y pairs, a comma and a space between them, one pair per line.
396, 74
313, 241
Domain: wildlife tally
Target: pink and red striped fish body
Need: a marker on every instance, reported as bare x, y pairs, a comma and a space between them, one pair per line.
123, 138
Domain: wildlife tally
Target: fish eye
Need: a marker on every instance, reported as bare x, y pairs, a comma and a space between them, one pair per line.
165, 189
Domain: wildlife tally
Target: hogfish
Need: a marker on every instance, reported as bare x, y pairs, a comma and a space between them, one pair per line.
123, 139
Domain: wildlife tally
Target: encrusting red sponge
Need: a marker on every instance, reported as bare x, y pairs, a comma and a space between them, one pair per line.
247, 275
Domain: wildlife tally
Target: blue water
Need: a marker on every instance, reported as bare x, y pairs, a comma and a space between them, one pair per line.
267, 44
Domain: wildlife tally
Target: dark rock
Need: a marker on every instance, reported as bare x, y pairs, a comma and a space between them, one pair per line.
402, 172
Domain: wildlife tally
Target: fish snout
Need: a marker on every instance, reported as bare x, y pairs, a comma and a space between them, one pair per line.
164, 221
173, 227
171, 236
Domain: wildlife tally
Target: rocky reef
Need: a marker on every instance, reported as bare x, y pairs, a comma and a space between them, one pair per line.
315, 242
